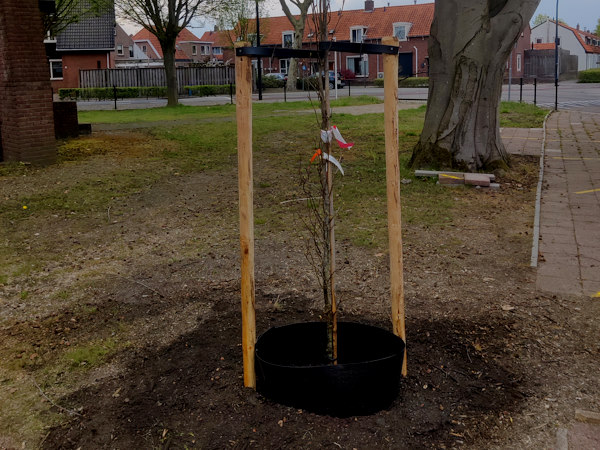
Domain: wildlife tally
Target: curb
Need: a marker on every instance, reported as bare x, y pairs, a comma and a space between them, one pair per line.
538, 200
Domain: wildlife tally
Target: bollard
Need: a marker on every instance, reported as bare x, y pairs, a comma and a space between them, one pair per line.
348, 88
231, 92
115, 94
535, 91
284, 91
521, 90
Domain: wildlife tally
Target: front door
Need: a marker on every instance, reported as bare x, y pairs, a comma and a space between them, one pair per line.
405, 65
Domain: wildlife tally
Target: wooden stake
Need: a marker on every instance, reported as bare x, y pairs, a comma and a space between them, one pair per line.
243, 87
390, 92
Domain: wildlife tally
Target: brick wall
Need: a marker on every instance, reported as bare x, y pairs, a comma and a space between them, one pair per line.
26, 117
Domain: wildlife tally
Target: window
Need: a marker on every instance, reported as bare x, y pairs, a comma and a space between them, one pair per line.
538, 41
130, 51
518, 62
284, 65
359, 65
56, 69
120, 49
144, 49
194, 50
357, 34
217, 51
401, 30
287, 39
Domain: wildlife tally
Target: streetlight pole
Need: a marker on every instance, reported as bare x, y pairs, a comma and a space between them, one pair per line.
556, 61
258, 65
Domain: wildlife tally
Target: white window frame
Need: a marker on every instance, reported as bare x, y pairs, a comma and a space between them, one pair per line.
145, 49
399, 25
205, 50
354, 31
120, 49
52, 77
194, 50
217, 50
131, 53
285, 34
518, 62
364, 63
282, 63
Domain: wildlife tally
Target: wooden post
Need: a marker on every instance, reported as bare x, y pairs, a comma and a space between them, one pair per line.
243, 88
392, 171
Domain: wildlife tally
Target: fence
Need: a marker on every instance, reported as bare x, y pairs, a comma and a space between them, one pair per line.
155, 76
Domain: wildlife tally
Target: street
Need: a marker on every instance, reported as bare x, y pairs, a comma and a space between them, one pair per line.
571, 96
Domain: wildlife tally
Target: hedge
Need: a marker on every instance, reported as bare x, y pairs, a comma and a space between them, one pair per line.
407, 82
589, 76
206, 90
135, 92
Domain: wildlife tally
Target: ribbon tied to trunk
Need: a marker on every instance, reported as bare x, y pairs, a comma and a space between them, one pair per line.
327, 136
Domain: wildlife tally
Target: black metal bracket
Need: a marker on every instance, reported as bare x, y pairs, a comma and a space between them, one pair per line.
346, 47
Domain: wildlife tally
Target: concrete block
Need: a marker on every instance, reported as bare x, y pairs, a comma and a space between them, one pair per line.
477, 179
451, 178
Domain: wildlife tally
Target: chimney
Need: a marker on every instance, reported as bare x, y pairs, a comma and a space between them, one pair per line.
216, 28
578, 26
369, 5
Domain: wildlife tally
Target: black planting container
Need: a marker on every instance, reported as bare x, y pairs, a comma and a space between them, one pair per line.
292, 368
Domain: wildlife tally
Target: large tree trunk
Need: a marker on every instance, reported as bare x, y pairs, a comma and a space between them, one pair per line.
168, 48
468, 49
293, 67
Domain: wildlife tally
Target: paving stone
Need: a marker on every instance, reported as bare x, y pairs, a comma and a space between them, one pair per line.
477, 179
451, 178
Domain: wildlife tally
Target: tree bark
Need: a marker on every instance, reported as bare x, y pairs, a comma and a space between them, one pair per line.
299, 24
468, 49
168, 48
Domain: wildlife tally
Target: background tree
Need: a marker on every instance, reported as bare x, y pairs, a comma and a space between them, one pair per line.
164, 19
540, 19
597, 31
299, 24
469, 45
236, 19
68, 12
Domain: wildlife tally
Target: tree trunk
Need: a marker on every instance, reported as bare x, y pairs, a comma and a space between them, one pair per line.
468, 49
168, 48
293, 67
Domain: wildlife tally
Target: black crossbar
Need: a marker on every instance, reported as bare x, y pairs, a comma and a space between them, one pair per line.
347, 47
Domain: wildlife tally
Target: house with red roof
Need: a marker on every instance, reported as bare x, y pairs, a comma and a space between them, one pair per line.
188, 48
409, 23
583, 44
220, 45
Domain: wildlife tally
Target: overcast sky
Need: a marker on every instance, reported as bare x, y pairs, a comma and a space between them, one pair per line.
582, 12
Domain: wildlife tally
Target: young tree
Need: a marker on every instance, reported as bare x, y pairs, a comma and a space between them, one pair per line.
597, 31
164, 19
469, 45
299, 24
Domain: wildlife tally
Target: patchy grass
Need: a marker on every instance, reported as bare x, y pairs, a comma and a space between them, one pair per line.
521, 115
90, 354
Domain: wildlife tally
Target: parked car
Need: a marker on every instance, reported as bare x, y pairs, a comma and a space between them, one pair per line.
341, 80
277, 76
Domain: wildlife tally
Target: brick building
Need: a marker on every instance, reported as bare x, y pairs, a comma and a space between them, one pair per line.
87, 44
410, 23
188, 48
26, 114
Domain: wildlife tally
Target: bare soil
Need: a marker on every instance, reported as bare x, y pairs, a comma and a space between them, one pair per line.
492, 363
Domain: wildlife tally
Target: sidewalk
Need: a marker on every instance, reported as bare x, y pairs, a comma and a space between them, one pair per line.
569, 251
